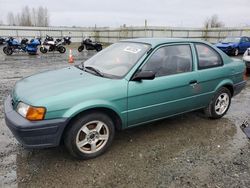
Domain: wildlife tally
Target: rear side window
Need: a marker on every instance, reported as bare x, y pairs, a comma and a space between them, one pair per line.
207, 57
170, 60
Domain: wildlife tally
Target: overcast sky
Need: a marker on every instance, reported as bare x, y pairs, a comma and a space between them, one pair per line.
114, 13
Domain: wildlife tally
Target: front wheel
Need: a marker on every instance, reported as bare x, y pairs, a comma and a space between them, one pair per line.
80, 48
98, 48
43, 50
62, 49
219, 105
90, 135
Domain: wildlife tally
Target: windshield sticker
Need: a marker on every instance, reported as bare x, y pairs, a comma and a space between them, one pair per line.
132, 50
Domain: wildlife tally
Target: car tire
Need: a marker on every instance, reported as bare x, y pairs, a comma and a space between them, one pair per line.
89, 135
219, 104
236, 52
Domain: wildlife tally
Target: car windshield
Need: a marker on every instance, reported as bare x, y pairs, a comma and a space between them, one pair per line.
231, 39
117, 59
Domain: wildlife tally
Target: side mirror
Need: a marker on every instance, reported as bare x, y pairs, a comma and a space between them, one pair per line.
144, 75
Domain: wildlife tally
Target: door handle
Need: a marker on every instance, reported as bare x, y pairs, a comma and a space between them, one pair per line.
193, 82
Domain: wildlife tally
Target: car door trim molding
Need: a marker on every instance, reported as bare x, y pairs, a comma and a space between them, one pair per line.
168, 102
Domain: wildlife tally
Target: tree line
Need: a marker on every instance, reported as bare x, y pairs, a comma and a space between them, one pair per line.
213, 22
29, 17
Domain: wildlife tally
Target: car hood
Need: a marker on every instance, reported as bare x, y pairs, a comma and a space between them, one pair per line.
40, 88
225, 45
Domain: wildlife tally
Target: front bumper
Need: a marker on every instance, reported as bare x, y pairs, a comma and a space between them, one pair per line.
227, 50
239, 86
33, 134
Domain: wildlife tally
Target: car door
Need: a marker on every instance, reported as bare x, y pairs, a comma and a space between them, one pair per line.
247, 44
211, 71
244, 44
171, 92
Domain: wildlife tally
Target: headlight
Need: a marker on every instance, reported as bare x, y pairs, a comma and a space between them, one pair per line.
30, 112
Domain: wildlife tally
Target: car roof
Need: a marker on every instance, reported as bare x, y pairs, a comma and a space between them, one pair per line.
158, 41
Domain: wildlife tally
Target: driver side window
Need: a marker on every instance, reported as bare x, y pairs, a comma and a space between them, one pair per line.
245, 39
170, 60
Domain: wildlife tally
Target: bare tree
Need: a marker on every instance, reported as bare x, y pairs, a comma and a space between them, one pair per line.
46, 17
10, 18
17, 19
33, 17
42, 17
25, 17
213, 22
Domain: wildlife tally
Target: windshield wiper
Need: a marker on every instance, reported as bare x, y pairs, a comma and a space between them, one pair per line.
94, 70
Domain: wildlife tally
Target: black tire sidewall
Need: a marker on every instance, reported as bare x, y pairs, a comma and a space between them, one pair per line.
80, 48
8, 51
214, 115
4, 49
71, 134
98, 48
43, 50
62, 49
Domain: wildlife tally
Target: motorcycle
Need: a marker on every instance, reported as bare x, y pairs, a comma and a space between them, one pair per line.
14, 46
88, 44
49, 45
66, 40
2, 41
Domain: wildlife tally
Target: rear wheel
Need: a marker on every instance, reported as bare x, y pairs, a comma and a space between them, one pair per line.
90, 135
7, 50
4, 49
80, 48
61, 49
219, 105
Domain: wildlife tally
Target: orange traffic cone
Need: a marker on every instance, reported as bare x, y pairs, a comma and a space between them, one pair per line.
71, 58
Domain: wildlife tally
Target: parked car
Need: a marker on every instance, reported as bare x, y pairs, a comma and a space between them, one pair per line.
127, 84
246, 59
234, 45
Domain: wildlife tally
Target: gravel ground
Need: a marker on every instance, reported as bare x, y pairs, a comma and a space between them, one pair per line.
184, 151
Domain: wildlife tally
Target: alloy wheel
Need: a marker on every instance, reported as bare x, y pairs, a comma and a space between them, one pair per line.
92, 137
222, 103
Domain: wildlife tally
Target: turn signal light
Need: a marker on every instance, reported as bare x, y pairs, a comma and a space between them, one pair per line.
35, 113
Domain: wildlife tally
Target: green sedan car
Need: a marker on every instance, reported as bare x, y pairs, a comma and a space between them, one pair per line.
129, 83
